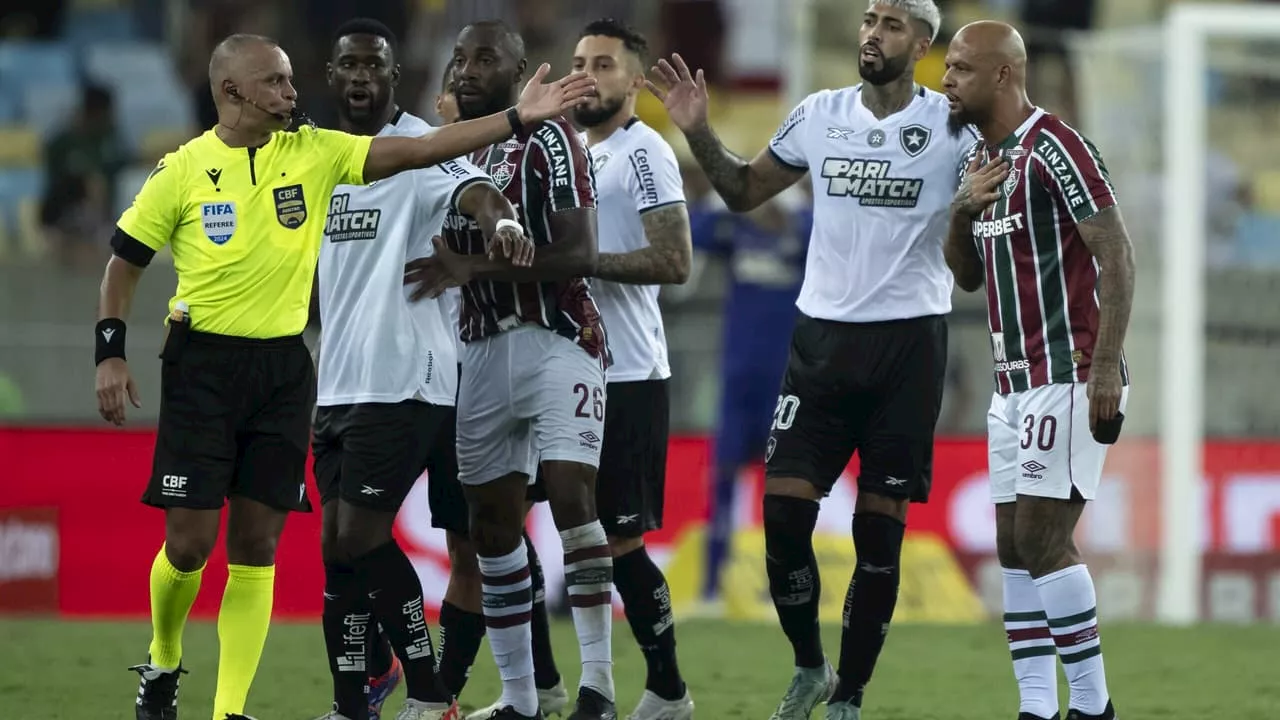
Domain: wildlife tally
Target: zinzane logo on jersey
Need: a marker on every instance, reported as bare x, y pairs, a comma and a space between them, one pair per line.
344, 224
218, 221
1062, 168
869, 181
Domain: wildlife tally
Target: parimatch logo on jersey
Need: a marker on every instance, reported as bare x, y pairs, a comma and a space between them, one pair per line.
344, 225
870, 182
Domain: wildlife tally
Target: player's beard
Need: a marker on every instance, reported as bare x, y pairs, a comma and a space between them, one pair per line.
472, 107
364, 117
956, 121
891, 68
588, 116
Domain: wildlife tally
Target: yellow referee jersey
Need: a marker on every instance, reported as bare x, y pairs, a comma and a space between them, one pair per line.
245, 225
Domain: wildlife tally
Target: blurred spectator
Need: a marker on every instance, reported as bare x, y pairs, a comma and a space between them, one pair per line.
1046, 24
207, 23
696, 29
34, 19
765, 251
81, 164
11, 405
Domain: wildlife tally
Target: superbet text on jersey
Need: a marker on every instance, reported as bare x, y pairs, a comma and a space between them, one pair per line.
882, 191
1040, 278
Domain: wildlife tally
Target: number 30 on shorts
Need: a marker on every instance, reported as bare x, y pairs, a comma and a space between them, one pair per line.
785, 413
593, 396
1042, 432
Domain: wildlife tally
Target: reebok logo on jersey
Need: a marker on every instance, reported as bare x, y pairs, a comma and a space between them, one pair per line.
344, 224
869, 181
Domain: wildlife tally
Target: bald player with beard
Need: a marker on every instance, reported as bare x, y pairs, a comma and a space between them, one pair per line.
242, 207
1037, 222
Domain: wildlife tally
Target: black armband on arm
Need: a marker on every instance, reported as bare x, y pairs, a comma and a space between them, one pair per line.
130, 249
108, 340
513, 117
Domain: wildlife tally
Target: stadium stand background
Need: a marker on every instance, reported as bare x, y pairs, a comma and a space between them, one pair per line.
147, 58
93, 92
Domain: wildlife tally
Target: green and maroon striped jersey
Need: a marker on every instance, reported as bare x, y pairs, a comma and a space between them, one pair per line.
1042, 303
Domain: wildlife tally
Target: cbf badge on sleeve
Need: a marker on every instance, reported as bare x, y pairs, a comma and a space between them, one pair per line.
291, 206
218, 219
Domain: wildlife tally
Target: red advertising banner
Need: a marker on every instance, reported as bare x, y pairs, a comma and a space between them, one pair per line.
69, 509
28, 559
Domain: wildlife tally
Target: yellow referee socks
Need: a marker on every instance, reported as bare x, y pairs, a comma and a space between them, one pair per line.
172, 592
243, 621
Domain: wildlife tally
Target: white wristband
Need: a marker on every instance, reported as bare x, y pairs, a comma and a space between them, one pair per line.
509, 223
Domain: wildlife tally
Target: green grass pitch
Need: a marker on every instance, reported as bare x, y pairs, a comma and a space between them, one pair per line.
69, 670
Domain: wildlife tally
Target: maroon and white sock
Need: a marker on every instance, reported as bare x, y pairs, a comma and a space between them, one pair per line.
588, 574
508, 605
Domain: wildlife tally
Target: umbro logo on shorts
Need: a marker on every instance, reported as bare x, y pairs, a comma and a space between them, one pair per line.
590, 440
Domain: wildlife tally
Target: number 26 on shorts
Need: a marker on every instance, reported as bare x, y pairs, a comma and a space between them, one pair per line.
590, 401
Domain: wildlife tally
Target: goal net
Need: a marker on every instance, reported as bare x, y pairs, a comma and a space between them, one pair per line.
1185, 114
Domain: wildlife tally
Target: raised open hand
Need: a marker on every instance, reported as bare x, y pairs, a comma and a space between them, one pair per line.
685, 96
541, 101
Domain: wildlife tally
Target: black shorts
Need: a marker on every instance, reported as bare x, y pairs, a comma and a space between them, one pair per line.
633, 459
874, 388
235, 419
371, 454
448, 505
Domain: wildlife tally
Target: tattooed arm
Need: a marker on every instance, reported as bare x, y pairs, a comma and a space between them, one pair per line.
961, 252
743, 185
665, 261
1108, 240
1105, 235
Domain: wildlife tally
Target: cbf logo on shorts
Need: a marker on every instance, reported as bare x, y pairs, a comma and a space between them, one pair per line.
291, 206
218, 220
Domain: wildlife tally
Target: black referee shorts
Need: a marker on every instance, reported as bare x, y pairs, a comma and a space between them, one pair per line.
873, 388
632, 479
371, 454
235, 419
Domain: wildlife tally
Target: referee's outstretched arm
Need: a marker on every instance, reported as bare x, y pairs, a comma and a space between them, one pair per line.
113, 383
539, 101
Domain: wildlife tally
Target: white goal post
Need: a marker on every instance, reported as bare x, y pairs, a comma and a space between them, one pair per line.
1188, 29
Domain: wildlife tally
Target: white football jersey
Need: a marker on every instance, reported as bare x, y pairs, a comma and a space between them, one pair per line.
636, 172
377, 346
882, 192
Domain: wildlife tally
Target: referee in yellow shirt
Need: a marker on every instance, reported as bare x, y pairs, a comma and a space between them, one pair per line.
242, 208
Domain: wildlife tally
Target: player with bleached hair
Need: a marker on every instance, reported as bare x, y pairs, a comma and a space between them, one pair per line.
869, 351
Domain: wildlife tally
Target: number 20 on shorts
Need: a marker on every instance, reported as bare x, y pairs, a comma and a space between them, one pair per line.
785, 412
